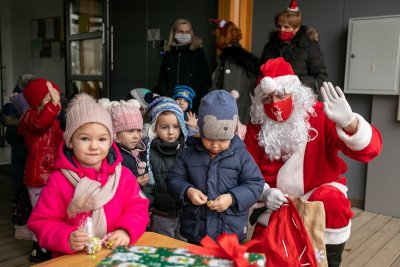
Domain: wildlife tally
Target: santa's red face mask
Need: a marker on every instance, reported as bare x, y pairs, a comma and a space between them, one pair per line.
279, 111
286, 36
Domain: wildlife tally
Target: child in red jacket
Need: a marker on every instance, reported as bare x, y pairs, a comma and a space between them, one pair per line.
42, 133
89, 182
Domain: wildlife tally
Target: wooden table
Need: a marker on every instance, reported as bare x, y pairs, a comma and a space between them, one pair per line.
82, 259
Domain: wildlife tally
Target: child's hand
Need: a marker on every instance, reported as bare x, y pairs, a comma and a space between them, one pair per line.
196, 196
192, 120
117, 238
54, 94
143, 179
221, 203
77, 240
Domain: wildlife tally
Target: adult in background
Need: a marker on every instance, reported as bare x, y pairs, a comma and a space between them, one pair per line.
184, 63
237, 69
298, 45
295, 141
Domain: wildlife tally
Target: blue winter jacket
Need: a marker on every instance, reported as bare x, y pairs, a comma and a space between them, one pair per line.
231, 171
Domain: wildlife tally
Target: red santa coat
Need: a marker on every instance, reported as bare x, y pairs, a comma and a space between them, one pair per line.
316, 172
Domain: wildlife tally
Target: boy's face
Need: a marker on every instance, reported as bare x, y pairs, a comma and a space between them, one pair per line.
215, 146
182, 103
90, 144
168, 128
129, 138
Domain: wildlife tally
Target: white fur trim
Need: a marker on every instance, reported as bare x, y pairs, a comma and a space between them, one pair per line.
341, 187
288, 79
360, 139
337, 236
269, 85
258, 205
290, 179
264, 218
264, 193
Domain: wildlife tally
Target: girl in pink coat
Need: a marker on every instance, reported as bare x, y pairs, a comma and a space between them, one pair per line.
89, 181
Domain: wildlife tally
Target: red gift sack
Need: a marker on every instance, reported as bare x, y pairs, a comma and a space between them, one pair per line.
285, 241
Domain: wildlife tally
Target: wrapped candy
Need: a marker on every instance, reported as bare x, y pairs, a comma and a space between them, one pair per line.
94, 244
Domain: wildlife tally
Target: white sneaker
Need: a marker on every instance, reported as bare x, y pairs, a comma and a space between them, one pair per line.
22, 232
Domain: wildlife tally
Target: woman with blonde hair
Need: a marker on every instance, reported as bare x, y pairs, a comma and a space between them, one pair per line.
184, 63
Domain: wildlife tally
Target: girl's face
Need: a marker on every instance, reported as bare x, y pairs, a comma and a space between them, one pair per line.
90, 144
168, 128
215, 146
182, 103
130, 138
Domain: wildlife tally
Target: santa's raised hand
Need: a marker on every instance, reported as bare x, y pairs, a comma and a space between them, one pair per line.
336, 106
274, 198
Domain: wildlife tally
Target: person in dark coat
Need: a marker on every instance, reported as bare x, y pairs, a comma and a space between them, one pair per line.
298, 45
184, 63
215, 179
167, 135
237, 69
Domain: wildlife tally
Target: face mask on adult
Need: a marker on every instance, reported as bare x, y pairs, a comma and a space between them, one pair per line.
183, 38
279, 111
286, 36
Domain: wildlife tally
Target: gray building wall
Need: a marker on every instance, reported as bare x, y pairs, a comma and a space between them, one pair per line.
330, 18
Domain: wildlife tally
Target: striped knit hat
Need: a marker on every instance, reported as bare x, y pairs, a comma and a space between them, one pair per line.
159, 105
185, 92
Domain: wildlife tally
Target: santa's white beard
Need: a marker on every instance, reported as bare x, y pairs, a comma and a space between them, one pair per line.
281, 139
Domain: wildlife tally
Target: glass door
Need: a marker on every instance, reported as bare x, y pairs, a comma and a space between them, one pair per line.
86, 43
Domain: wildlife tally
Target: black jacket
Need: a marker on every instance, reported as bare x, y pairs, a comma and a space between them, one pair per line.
185, 65
303, 53
162, 157
238, 70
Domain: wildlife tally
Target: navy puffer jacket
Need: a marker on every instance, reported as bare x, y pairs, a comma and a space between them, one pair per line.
231, 171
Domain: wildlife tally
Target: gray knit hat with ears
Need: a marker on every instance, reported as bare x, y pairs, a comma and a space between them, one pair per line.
83, 109
218, 116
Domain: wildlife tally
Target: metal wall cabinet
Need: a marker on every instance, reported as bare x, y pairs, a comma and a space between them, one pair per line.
373, 56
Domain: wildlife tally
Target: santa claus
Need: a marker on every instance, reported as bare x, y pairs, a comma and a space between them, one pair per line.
295, 141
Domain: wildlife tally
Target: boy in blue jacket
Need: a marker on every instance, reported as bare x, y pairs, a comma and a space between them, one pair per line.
215, 178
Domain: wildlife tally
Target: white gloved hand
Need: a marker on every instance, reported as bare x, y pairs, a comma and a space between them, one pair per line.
336, 106
274, 198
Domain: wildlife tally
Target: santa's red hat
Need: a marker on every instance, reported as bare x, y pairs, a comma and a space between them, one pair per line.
293, 6
277, 73
219, 22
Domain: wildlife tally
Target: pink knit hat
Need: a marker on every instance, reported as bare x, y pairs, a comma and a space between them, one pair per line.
36, 90
125, 116
83, 109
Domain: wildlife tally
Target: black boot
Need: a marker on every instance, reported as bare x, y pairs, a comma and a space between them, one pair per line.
39, 254
334, 254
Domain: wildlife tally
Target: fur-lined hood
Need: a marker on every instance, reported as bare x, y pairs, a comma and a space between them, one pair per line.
196, 43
